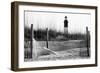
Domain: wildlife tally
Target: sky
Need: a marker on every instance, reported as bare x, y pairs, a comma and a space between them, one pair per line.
52, 20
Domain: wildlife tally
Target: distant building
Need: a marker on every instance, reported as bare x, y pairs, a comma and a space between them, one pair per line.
65, 25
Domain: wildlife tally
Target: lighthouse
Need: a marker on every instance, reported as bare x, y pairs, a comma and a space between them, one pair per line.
65, 25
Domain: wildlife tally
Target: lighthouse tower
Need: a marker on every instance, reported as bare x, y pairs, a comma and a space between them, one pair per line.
65, 25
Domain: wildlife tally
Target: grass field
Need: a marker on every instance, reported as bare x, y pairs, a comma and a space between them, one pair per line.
63, 45
65, 55
72, 49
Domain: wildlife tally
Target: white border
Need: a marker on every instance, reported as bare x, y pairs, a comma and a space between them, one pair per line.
23, 64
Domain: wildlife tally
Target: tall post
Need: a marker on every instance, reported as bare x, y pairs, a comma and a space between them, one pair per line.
87, 41
47, 37
31, 41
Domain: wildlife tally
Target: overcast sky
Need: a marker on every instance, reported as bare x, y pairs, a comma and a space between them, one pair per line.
55, 21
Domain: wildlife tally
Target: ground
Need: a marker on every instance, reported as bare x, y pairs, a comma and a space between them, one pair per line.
71, 49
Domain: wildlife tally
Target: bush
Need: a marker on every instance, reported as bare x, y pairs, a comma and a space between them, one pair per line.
41, 35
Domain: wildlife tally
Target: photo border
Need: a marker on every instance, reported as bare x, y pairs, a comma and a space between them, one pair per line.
15, 34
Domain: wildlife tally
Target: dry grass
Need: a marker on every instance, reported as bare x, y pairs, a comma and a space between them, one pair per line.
73, 49
64, 55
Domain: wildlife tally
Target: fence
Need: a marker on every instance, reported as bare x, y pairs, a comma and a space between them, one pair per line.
29, 45
28, 54
86, 52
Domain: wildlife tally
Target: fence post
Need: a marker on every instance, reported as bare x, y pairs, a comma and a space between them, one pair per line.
87, 41
47, 37
31, 41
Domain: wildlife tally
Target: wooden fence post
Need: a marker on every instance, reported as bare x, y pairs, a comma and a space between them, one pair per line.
87, 41
47, 37
31, 41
